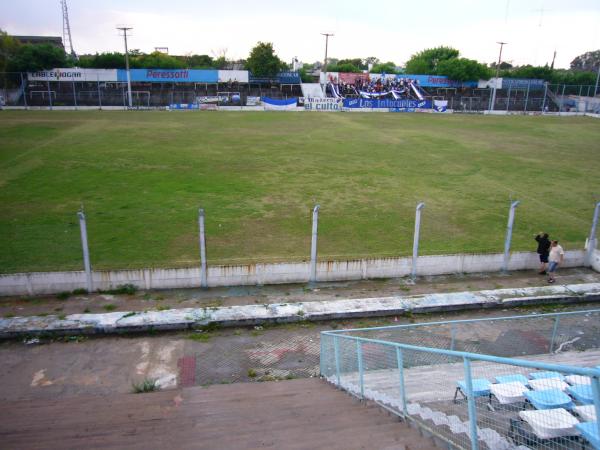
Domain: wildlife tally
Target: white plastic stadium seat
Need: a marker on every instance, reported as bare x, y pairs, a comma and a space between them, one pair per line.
551, 423
548, 383
507, 393
586, 412
578, 379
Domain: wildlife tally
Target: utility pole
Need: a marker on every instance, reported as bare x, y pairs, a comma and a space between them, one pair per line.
597, 79
124, 30
502, 44
326, 45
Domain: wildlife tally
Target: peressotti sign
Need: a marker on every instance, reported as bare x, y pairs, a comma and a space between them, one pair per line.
171, 75
70, 74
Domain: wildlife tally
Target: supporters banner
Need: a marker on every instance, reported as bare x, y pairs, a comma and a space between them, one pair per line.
440, 106
436, 81
351, 78
170, 75
252, 101
279, 105
183, 106
86, 75
322, 104
402, 104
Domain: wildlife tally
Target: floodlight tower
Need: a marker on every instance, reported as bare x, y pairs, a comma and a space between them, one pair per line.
493, 100
125, 30
67, 41
327, 35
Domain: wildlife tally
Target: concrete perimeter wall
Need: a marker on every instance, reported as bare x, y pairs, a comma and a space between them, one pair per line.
275, 273
596, 260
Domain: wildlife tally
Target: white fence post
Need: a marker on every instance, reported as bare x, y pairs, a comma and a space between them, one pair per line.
415, 255
203, 277
592, 238
313, 245
509, 230
86, 252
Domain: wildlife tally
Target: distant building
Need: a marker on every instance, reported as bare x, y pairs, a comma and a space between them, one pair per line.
52, 40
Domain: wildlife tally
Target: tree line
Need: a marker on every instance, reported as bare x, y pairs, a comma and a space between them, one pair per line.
264, 62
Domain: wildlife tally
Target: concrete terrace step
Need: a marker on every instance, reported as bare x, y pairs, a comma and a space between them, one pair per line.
295, 414
186, 318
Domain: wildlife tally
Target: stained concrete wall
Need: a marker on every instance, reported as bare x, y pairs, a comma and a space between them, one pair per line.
275, 273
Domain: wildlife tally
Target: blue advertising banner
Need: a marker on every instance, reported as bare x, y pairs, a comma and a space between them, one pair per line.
400, 105
170, 75
522, 83
289, 78
279, 105
436, 81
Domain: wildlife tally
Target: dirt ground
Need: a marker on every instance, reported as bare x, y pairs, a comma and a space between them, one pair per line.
288, 293
79, 365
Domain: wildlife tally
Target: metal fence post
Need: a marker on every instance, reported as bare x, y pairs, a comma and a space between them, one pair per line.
592, 237
415, 256
99, 93
74, 94
508, 98
452, 335
509, 229
24, 90
554, 330
49, 95
399, 358
545, 93
313, 245
360, 368
596, 396
471, 405
203, 281
86, 252
527, 96
336, 352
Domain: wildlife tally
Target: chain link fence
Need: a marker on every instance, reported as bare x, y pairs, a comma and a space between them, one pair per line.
463, 379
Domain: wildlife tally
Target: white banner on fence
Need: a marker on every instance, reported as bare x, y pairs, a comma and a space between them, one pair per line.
226, 76
322, 104
89, 75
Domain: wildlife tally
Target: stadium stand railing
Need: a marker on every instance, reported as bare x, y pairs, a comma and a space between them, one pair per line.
518, 382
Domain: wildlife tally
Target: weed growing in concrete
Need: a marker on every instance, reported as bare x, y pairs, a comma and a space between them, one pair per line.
62, 316
162, 307
199, 337
128, 289
79, 291
252, 373
9, 315
129, 314
110, 307
87, 311
147, 385
63, 295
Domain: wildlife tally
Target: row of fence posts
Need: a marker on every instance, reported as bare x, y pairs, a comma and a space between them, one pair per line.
314, 236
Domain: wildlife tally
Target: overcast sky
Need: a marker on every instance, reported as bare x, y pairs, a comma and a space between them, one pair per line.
388, 29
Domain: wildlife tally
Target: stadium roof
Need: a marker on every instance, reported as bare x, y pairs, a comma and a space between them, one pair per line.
53, 40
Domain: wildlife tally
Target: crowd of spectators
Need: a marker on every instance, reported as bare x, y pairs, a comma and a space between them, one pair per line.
376, 87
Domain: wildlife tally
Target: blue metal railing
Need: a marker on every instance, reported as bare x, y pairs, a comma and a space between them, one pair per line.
371, 364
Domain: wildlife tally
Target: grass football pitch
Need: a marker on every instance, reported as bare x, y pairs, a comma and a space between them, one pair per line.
141, 177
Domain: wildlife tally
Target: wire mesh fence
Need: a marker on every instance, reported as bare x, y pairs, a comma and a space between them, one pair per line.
509, 383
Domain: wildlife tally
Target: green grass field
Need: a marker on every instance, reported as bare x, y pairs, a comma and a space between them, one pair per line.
141, 177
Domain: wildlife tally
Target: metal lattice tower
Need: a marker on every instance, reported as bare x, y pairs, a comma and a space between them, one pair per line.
67, 41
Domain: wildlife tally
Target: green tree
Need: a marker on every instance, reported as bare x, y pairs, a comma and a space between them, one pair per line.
114, 60
157, 60
388, 67
356, 62
8, 47
263, 62
426, 62
305, 73
588, 62
33, 57
199, 62
343, 67
463, 69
